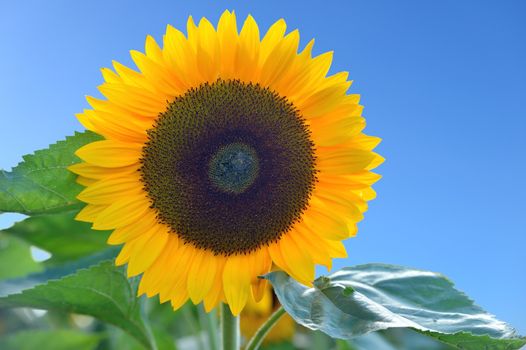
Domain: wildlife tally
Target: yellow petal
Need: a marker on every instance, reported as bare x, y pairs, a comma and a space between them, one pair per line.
310, 77
324, 101
153, 51
277, 257
161, 275
115, 127
258, 289
110, 153
179, 298
180, 56
106, 191
377, 160
96, 172
312, 243
201, 275
110, 76
126, 233
336, 249
342, 160
321, 250
85, 121
228, 38
175, 288
339, 203
192, 30
208, 60
163, 79
339, 127
271, 39
135, 99
362, 141
280, 59
328, 225
107, 106
149, 284
215, 294
260, 263
249, 37
366, 194
236, 283
132, 77
90, 212
84, 181
247, 54
121, 213
125, 253
146, 250
358, 180
299, 262
297, 70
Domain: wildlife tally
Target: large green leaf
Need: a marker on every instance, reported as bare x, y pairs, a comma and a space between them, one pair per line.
15, 258
367, 298
41, 183
61, 235
49, 340
101, 291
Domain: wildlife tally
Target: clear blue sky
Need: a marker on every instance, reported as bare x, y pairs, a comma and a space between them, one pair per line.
443, 83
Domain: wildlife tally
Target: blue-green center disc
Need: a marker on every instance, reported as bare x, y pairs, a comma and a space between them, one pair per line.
233, 168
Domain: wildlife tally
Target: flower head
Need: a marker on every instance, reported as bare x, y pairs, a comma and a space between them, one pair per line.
224, 154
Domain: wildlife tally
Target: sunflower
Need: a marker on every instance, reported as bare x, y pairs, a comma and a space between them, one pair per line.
224, 154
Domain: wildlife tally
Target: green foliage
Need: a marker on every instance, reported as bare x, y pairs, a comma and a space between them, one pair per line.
49, 340
15, 258
466, 340
394, 339
18, 285
101, 291
387, 297
41, 183
61, 235
279, 346
121, 340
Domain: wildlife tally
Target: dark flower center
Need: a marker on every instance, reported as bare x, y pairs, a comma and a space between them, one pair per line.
229, 166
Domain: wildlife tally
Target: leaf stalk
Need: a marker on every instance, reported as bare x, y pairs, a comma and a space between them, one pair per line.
265, 328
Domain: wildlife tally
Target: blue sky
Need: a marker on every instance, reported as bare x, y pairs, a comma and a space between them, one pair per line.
442, 83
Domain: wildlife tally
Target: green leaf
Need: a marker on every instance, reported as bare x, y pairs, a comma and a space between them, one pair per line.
18, 285
101, 291
15, 258
386, 297
61, 235
49, 340
396, 339
41, 183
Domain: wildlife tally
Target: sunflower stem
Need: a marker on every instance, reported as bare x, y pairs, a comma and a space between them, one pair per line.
260, 334
229, 329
